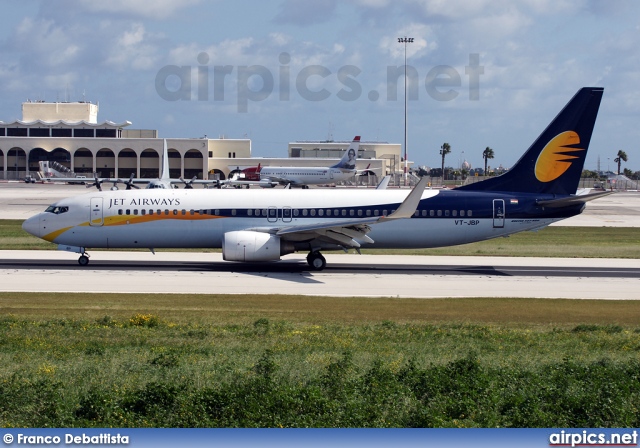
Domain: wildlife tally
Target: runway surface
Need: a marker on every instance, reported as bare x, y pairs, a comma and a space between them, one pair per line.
346, 275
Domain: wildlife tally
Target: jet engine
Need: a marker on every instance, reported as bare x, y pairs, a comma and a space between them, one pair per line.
246, 245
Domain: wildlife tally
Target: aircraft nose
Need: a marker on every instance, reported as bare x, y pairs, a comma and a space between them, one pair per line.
32, 225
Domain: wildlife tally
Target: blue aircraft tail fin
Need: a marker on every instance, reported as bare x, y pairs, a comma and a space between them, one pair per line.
553, 163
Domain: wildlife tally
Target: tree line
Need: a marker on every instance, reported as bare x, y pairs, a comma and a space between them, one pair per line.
488, 154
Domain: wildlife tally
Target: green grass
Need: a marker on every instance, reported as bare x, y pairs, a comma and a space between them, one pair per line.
148, 360
145, 360
581, 242
111, 372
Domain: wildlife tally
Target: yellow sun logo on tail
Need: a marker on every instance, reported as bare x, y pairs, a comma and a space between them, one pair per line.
553, 161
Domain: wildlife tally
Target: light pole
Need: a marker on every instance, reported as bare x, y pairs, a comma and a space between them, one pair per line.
405, 40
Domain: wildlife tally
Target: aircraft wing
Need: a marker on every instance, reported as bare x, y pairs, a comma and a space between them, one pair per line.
280, 180
352, 232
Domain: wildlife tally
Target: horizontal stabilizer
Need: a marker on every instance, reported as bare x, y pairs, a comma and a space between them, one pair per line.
573, 200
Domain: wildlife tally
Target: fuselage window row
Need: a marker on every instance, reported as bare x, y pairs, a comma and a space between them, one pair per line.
273, 213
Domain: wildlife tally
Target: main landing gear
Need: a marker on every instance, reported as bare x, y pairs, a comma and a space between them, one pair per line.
316, 261
84, 259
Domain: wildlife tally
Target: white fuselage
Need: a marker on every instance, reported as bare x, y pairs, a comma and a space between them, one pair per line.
200, 218
306, 175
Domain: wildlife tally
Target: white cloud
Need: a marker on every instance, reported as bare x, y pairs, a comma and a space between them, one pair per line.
158, 9
133, 48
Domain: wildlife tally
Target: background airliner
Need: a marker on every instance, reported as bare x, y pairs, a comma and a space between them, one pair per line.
304, 176
264, 224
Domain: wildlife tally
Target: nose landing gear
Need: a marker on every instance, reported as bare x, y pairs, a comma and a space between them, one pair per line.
84, 259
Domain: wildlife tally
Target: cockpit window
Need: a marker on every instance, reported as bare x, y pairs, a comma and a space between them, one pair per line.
57, 210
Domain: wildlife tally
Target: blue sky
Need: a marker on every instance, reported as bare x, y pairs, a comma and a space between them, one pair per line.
284, 70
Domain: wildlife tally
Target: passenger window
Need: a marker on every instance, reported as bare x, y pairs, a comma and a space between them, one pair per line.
320, 212
368, 212
439, 212
120, 212
432, 212
166, 212
454, 213
143, 212
461, 212
128, 212
469, 213
135, 211
359, 212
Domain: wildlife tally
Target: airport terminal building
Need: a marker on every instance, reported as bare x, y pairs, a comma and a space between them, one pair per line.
70, 134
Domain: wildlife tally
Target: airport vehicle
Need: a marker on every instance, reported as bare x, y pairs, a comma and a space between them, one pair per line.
264, 224
298, 176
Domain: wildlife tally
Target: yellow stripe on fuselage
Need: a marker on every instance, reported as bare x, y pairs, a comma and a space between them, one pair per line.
121, 220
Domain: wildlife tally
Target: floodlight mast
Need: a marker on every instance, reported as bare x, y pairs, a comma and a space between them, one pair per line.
405, 40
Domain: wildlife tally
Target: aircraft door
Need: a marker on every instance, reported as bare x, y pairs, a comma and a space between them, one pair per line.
97, 218
286, 214
498, 213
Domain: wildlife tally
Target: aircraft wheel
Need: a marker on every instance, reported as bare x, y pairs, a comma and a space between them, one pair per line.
316, 261
83, 260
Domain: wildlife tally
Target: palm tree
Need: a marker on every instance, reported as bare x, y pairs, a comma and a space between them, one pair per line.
486, 155
622, 157
444, 150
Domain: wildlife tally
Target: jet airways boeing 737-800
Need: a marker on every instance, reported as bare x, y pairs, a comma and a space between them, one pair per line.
262, 225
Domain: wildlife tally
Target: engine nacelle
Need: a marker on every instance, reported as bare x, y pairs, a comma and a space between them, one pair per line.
246, 245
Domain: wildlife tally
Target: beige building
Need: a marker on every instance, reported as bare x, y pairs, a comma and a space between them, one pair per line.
69, 133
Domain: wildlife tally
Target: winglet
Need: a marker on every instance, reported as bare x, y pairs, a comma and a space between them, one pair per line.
165, 162
383, 183
410, 204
